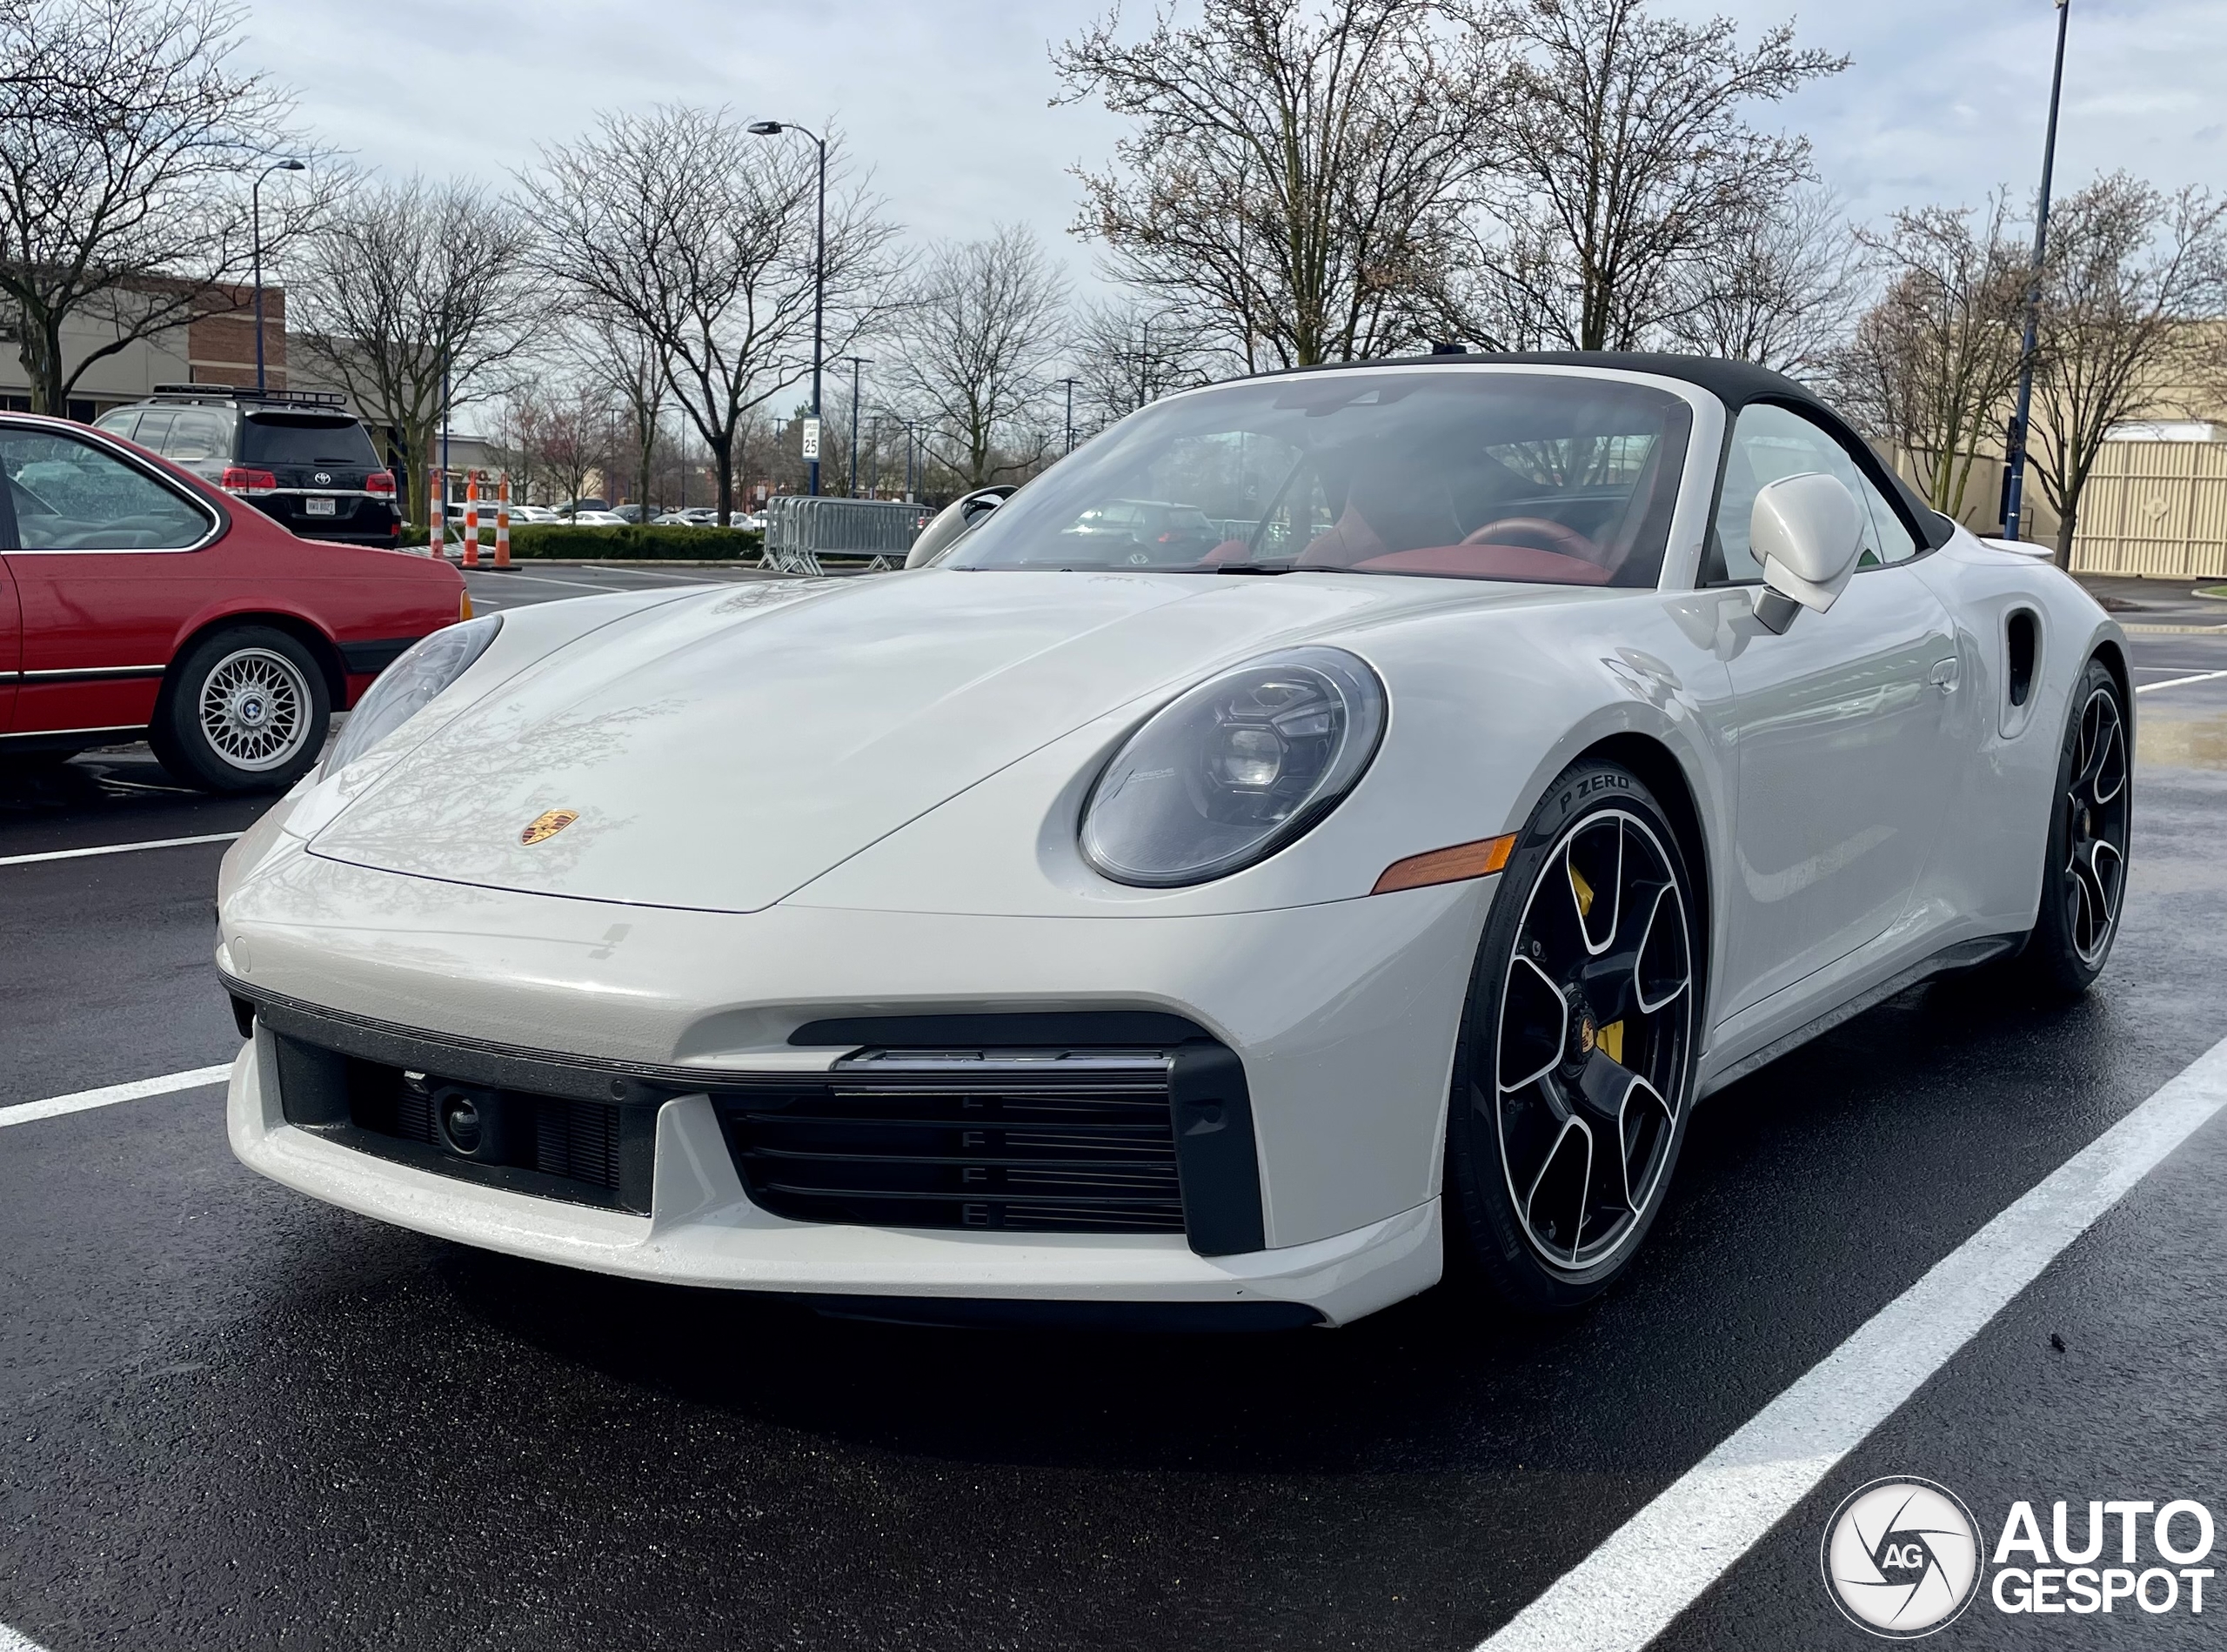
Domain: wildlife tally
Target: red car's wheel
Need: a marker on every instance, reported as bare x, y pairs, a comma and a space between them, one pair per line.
245, 709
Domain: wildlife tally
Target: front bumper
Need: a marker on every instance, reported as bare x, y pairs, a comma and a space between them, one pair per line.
1343, 1014
703, 1229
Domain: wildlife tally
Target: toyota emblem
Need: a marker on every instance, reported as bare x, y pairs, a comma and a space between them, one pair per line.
322, 478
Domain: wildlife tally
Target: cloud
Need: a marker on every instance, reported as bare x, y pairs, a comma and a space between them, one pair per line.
948, 103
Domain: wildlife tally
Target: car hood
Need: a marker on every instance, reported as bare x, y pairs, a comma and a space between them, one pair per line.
724, 749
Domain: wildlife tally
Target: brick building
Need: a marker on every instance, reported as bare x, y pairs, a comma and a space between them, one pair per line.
217, 347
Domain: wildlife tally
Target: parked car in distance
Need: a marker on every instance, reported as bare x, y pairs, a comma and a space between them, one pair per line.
594, 520
140, 600
300, 458
533, 513
567, 507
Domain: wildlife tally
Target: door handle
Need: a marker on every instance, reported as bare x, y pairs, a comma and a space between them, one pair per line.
1944, 674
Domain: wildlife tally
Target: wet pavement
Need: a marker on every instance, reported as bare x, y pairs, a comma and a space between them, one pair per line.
237, 1418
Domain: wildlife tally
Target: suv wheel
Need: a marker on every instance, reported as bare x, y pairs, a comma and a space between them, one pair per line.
245, 709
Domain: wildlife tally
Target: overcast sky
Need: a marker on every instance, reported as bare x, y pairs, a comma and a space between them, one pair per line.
947, 101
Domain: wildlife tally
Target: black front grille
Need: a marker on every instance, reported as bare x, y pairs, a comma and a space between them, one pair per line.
576, 1139
1035, 1140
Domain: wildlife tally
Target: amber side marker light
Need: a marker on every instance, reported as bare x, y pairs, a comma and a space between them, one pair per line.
1476, 860
464, 608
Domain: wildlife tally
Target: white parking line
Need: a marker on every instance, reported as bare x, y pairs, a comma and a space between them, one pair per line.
114, 848
84, 1101
1628, 1590
2177, 682
12, 1642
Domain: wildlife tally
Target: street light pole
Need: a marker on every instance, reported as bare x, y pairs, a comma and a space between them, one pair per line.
255, 240
1070, 383
773, 128
859, 363
2015, 487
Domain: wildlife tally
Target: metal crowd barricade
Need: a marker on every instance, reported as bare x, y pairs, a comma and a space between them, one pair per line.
801, 529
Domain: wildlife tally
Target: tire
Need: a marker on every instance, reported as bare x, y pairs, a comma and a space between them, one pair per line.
2084, 869
245, 710
1544, 1221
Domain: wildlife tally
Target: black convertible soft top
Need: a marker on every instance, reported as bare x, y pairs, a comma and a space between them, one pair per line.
1734, 383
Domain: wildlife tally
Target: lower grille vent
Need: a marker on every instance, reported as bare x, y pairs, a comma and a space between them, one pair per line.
1031, 1140
575, 1143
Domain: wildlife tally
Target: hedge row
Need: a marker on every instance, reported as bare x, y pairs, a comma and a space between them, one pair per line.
530, 540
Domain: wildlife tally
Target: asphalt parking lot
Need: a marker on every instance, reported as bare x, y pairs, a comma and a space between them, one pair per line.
237, 1418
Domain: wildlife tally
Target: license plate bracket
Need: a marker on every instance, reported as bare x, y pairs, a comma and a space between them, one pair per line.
317, 506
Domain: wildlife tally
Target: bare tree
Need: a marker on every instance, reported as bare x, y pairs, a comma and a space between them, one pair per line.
128, 147
985, 322
412, 290
2128, 272
631, 366
700, 236
560, 434
1784, 292
1297, 175
1127, 351
1620, 159
1931, 365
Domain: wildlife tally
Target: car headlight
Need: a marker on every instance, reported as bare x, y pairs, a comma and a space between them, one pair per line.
1231, 771
405, 688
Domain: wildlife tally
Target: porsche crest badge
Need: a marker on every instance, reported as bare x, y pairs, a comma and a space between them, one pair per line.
547, 825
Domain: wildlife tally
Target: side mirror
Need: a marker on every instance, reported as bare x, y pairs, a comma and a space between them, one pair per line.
954, 521
1807, 531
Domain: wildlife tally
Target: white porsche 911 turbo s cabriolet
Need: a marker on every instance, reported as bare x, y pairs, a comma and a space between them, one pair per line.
1332, 822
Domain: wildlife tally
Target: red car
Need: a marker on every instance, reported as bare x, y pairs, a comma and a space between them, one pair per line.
138, 602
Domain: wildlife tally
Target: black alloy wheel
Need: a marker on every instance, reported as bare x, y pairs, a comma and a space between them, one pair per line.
2091, 817
1574, 1073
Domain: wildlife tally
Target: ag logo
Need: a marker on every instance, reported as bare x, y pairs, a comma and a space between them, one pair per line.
547, 825
1902, 1557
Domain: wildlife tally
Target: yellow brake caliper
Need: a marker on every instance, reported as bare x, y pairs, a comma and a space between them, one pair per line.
1610, 1038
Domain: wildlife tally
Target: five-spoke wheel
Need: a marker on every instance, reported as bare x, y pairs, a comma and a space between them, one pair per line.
2084, 871
1574, 1078
2096, 821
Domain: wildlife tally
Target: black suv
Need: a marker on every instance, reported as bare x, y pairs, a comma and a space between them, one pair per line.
299, 457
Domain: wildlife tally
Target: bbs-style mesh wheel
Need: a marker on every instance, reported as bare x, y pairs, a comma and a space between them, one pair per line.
254, 709
1575, 1074
244, 710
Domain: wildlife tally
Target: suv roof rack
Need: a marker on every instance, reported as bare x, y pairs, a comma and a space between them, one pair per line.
250, 393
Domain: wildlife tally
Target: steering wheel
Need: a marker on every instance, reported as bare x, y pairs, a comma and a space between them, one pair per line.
1568, 541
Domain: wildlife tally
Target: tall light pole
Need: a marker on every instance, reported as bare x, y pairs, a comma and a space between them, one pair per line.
772, 129
1070, 383
2015, 486
859, 363
255, 239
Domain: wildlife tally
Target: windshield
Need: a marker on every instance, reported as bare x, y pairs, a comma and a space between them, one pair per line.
1559, 479
295, 439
